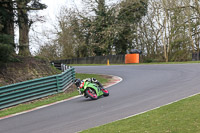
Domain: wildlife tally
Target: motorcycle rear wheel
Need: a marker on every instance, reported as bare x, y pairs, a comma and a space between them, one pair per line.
91, 93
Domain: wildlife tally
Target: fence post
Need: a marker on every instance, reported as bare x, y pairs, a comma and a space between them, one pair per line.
58, 87
73, 75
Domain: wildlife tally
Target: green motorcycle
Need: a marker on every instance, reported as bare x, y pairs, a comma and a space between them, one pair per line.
91, 88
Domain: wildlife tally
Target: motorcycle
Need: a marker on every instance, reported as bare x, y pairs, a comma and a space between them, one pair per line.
91, 88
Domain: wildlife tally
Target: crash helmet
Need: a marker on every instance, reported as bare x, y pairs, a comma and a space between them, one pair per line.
94, 80
77, 82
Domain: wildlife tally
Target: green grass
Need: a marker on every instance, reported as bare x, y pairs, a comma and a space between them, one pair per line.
38, 103
185, 62
50, 99
179, 117
98, 77
87, 64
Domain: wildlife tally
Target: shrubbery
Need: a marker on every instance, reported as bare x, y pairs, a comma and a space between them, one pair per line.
6, 47
6, 51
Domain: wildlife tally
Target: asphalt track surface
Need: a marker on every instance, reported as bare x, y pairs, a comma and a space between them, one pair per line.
143, 88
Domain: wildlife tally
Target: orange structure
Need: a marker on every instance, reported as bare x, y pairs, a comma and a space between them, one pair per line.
132, 58
108, 62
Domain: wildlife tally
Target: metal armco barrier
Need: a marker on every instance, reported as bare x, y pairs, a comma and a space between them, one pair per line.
33, 89
60, 66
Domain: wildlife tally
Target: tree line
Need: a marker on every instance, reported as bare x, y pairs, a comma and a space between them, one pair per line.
170, 30
99, 29
165, 30
16, 13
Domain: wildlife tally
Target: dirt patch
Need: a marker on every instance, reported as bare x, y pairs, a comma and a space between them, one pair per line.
25, 69
71, 89
109, 78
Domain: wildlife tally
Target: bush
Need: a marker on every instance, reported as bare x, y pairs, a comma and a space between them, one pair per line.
6, 51
7, 39
148, 60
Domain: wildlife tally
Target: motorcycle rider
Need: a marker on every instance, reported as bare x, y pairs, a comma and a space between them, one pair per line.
92, 80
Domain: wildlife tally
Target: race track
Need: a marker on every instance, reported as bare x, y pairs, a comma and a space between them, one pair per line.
143, 88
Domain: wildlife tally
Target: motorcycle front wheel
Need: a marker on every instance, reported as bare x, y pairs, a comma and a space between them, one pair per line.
91, 93
105, 92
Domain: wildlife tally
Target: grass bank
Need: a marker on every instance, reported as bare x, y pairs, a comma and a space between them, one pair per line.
180, 117
51, 99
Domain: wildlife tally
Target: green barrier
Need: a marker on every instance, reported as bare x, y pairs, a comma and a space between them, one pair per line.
33, 89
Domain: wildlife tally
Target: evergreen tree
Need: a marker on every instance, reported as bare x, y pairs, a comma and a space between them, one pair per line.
130, 13
98, 27
7, 20
102, 29
6, 30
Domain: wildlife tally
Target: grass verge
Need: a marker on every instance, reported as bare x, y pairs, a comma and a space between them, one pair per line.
184, 62
179, 117
152, 63
51, 99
